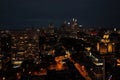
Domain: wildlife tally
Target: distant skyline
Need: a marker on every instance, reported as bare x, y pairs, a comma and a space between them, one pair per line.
19, 13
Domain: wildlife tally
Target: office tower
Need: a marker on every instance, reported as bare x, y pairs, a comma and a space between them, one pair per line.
5, 41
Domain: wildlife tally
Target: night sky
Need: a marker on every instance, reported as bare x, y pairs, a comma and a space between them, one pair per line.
19, 13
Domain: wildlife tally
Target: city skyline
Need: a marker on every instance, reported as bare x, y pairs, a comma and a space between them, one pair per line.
21, 13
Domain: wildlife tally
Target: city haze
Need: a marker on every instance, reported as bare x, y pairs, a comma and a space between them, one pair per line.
20, 13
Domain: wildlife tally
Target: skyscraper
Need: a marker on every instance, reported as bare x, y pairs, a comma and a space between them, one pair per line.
5, 41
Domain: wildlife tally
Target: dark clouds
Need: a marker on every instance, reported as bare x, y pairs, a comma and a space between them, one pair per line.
41, 12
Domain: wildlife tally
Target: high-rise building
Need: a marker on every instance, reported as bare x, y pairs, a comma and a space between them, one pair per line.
24, 43
106, 46
5, 43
